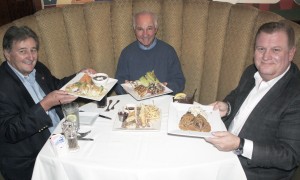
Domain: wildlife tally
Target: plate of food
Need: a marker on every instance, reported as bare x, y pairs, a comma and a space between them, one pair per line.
82, 85
146, 86
194, 120
138, 117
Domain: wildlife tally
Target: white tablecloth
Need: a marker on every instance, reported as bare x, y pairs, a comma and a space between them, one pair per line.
119, 155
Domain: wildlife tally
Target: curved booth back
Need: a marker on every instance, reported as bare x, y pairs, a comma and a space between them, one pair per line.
214, 40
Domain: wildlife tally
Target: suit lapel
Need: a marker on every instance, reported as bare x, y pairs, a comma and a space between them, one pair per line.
19, 83
41, 80
267, 101
245, 90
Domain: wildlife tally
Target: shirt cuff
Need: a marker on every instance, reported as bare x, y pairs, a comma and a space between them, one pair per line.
248, 149
229, 109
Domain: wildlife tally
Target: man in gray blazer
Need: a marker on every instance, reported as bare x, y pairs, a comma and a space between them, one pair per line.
263, 113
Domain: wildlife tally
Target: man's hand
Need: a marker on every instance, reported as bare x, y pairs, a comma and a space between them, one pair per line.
221, 106
56, 97
224, 141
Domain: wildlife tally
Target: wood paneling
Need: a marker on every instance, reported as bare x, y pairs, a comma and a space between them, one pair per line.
4, 13
14, 9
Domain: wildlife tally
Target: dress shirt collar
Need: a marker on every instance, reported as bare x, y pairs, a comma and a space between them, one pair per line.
150, 47
30, 77
259, 80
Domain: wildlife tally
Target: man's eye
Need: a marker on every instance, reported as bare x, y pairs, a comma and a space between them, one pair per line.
22, 51
276, 50
260, 49
150, 28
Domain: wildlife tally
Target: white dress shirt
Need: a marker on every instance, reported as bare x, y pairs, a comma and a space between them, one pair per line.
256, 94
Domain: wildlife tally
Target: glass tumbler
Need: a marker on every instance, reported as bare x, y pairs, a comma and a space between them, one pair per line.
71, 113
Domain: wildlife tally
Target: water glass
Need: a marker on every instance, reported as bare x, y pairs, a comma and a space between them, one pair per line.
71, 113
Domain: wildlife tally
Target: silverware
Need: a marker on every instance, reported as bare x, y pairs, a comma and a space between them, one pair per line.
85, 139
79, 135
113, 107
83, 134
106, 117
110, 101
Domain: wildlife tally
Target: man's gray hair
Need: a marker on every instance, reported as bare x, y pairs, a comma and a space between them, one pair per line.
16, 34
154, 17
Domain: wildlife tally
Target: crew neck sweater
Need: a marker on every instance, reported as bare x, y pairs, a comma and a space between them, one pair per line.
135, 62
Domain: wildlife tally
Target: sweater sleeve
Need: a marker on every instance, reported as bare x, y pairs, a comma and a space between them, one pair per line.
175, 80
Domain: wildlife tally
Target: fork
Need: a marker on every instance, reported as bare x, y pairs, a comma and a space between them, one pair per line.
107, 109
113, 107
83, 134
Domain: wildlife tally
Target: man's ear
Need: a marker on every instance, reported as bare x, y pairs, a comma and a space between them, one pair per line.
292, 53
7, 55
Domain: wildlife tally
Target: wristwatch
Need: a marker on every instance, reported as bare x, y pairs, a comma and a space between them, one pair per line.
239, 150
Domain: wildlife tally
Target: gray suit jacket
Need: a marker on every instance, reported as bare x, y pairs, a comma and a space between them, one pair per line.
273, 126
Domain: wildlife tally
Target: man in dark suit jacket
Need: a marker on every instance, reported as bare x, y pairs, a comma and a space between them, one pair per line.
24, 118
263, 113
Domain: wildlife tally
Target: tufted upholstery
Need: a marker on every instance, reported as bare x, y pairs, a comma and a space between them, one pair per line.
214, 40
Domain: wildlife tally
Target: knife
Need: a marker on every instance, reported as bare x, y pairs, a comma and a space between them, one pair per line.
104, 116
85, 139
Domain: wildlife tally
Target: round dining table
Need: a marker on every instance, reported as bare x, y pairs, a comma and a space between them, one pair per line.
118, 154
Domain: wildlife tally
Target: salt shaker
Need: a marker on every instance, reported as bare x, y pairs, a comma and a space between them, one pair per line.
71, 135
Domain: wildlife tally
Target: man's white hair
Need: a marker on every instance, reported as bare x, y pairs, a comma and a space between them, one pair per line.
154, 17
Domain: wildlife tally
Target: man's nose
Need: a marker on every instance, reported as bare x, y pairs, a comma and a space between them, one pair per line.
267, 55
30, 55
145, 33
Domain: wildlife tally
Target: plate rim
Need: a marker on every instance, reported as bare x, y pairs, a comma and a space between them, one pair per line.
180, 132
137, 97
109, 85
156, 129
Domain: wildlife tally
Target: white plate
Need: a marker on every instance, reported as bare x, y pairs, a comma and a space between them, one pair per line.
109, 85
177, 110
130, 89
154, 124
87, 118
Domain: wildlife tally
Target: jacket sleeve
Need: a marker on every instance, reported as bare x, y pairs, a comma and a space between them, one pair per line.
283, 150
19, 121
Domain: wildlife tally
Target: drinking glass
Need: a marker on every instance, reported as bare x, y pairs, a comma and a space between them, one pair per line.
71, 113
